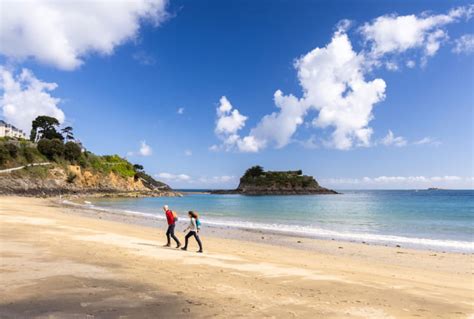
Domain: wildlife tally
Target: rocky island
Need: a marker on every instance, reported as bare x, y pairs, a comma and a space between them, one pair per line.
52, 163
256, 181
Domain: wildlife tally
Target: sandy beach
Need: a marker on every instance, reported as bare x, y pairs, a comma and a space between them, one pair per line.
64, 262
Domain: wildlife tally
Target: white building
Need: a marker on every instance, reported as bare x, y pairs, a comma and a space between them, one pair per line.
8, 130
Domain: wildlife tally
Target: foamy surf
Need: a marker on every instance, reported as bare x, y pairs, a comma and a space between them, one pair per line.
313, 232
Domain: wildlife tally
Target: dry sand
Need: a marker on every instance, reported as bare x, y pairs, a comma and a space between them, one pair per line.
56, 263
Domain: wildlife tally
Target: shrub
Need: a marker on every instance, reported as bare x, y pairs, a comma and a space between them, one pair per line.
254, 171
82, 161
4, 154
12, 150
29, 154
51, 148
71, 177
72, 151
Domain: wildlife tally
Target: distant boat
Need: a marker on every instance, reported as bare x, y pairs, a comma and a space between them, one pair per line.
435, 189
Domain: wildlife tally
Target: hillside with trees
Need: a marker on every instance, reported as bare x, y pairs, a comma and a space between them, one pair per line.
65, 166
257, 181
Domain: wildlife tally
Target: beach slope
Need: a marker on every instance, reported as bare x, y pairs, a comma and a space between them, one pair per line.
56, 263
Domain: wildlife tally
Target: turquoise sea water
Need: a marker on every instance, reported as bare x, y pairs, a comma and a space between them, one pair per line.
440, 219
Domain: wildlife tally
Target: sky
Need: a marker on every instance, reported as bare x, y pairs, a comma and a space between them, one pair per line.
359, 94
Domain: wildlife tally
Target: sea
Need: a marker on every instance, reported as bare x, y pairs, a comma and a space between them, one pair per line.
441, 220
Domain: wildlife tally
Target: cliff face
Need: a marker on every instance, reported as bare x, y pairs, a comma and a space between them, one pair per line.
55, 180
277, 183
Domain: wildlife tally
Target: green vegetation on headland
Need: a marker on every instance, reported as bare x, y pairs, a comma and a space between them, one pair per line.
71, 167
257, 181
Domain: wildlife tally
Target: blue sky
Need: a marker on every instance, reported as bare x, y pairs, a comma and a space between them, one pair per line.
154, 76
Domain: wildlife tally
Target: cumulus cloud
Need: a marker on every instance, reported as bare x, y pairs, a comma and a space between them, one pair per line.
464, 44
145, 150
391, 140
333, 83
338, 86
393, 34
24, 97
62, 33
384, 182
229, 122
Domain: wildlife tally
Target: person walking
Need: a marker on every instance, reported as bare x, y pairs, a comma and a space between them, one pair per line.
193, 230
171, 219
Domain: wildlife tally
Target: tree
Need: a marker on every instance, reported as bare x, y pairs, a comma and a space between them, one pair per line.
67, 133
72, 151
138, 167
45, 127
254, 171
51, 148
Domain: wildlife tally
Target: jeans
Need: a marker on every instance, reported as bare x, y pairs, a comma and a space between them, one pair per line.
192, 233
170, 233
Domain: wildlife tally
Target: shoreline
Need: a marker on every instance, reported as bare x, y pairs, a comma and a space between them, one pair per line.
254, 233
66, 262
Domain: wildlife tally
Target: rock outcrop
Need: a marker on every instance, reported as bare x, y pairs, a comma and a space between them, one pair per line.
258, 182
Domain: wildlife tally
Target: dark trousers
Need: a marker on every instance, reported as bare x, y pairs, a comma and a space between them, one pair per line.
170, 233
192, 233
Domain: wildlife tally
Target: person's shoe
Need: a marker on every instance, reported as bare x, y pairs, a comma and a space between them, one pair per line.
167, 245
184, 248
200, 251
179, 245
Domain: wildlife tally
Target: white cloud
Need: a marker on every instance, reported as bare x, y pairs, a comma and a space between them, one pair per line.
411, 64
277, 127
391, 139
180, 110
333, 83
145, 150
173, 177
427, 141
184, 179
392, 34
216, 179
62, 33
188, 153
400, 182
24, 97
229, 122
464, 44
336, 85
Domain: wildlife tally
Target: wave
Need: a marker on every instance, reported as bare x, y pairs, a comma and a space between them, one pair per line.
452, 245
